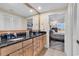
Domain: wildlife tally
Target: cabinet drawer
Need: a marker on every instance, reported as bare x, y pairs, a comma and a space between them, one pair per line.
27, 42
19, 45
35, 39
44, 36
40, 37
17, 53
36, 43
28, 50
10, 49
44, 39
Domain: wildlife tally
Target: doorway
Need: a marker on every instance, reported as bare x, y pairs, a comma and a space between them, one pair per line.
56, 34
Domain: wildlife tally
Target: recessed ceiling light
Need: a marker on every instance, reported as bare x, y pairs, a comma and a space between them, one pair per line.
31, 10
39, 8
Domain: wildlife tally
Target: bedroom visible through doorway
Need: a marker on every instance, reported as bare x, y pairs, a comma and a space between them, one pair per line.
56, 35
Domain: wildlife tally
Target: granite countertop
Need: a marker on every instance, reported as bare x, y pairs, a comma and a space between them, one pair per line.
8, 43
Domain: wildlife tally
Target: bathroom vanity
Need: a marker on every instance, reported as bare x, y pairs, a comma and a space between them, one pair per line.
27, 46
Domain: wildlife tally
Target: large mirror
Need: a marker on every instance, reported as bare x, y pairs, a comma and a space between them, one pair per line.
14, 16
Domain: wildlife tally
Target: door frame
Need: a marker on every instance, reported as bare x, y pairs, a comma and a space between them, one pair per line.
64, 26
70, 34
76, 30
71, 29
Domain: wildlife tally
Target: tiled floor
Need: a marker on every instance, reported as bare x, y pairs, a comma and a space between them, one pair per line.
56, 49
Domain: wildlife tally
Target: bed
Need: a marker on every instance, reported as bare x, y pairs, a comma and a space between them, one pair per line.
59, 36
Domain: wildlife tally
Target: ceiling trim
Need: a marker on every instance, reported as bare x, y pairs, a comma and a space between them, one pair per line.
28, 5
32, 15
55, 10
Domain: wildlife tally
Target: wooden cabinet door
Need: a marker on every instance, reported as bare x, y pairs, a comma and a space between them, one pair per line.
17, 53
44, 39
41, 42
36, 46
25, 51
27, 42
10, 49
0, 52
20, 52
28, 50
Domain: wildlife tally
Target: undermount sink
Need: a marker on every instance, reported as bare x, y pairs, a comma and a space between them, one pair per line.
17, 39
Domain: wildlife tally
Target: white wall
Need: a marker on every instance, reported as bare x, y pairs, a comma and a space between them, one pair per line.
76, 30
11, 22
44, 20
71, 31
68, 32
44, 23
36, 22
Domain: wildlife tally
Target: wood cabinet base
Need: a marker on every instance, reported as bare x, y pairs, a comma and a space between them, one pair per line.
31, 47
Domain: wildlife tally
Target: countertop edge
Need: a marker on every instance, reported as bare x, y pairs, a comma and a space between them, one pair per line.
21, 41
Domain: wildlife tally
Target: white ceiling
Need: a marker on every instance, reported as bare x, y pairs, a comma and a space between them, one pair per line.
23, 10
17, 8
57, 17
48, 6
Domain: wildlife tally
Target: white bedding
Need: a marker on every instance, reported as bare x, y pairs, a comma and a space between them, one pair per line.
57, 35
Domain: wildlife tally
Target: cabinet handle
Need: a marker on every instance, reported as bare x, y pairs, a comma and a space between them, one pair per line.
78, 41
